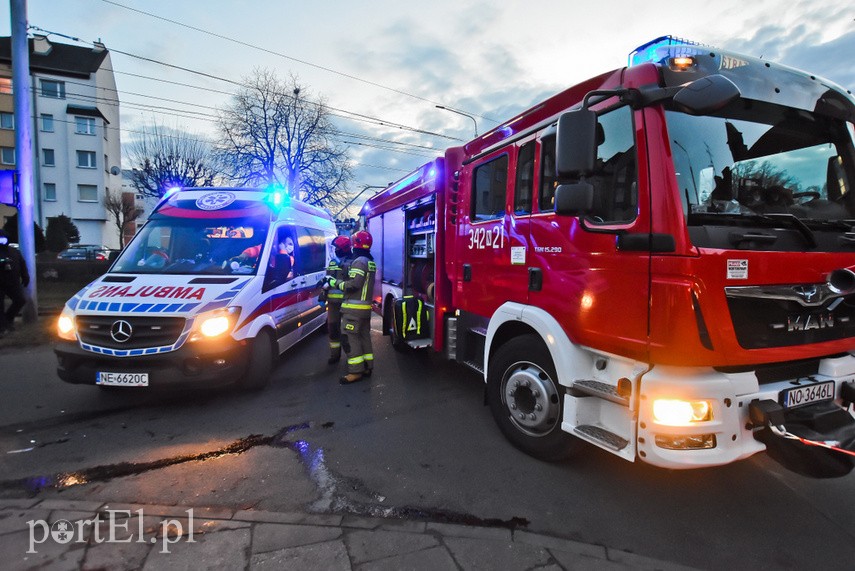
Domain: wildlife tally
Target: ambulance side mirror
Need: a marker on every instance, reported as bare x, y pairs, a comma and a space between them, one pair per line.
576, 144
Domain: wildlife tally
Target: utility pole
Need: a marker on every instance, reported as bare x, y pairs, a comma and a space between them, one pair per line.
24, 148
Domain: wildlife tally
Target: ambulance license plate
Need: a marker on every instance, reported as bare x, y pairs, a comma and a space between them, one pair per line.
807, 394
122, 379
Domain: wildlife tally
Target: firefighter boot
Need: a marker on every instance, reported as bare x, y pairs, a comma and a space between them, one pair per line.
350, 378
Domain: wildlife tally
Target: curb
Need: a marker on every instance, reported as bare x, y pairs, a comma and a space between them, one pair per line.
227, 538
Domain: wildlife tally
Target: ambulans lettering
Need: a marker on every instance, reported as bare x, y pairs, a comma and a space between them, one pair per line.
170, 292
482, 238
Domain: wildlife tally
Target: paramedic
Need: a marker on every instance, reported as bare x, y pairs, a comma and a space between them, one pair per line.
358, 291
14, 277
338, 268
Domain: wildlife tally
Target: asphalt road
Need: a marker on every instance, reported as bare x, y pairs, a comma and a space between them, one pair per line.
414, 442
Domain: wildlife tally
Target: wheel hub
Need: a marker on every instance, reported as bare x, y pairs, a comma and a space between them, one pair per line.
531, 399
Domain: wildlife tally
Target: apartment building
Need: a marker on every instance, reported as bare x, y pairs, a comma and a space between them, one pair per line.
75, 134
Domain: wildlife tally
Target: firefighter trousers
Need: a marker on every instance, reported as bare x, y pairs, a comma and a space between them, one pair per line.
356, 342
334, 329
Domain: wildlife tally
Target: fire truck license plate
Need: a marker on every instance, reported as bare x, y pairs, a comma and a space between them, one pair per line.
807, 394
123, 379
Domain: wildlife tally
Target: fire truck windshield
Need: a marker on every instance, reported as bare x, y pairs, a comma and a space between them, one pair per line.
172, 245
756, 159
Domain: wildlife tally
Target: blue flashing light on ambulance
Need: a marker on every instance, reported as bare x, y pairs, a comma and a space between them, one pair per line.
217, 283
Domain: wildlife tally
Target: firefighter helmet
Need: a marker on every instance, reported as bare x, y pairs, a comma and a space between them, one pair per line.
362, 240
341, 243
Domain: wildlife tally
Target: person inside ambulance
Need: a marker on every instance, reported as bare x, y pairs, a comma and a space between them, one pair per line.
156, 258
358, 289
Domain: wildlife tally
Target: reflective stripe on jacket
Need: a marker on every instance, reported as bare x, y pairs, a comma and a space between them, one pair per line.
337, 269
359, 287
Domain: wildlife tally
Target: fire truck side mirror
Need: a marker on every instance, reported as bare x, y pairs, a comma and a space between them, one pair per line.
576, 144
706, 95
574, 199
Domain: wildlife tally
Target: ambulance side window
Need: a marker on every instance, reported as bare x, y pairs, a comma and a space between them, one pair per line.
283, 248
312, 247
489, 188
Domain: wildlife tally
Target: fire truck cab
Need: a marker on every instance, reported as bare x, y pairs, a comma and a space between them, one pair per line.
657, 261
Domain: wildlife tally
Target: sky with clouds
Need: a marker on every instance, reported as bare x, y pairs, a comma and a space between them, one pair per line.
395, 61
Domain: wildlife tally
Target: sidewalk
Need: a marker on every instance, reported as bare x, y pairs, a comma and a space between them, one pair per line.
64, 536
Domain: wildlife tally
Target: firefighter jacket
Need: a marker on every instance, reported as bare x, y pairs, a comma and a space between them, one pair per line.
338, 271
358, 288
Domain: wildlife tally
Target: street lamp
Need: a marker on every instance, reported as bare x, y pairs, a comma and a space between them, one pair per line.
461, 113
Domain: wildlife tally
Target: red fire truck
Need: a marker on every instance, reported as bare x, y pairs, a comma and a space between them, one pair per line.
658, 261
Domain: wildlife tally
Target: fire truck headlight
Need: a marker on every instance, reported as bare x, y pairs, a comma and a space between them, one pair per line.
674, 412
65, 326
215, 323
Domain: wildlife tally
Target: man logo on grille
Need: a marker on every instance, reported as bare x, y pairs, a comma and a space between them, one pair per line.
121, 331
807, 293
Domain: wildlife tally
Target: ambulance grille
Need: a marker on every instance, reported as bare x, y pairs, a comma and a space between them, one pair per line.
144, 331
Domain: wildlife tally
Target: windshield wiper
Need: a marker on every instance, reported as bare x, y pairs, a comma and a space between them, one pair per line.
760, 219
796, 223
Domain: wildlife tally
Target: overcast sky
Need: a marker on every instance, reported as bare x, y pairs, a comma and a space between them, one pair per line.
395, 60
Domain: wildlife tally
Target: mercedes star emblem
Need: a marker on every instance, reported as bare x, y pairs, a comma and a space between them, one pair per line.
121, 331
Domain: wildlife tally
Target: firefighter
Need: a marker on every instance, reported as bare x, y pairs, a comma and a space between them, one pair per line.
14, 277
358, 289
337, 270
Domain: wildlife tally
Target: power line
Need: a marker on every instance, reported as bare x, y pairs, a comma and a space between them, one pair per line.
239, 84
279, 54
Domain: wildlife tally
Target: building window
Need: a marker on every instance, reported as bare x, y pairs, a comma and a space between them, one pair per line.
47, 122
53, 89
50, 192
86, 159
87, 193
48, 158
84, 125
7, 120
7, 155
6, 85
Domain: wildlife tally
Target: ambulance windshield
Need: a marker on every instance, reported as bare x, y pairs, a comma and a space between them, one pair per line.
755, 159
195, 246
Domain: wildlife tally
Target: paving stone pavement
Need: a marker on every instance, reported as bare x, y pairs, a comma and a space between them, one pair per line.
59, 535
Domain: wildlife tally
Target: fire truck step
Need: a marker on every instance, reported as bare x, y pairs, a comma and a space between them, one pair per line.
474, 366
601, 436
598, 389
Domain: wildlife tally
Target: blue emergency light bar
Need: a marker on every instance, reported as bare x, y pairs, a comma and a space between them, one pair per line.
652, 51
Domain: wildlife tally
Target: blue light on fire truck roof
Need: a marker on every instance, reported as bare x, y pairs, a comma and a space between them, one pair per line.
648, 52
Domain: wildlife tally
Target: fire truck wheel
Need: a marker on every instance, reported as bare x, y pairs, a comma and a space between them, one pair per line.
526, 400
260, 362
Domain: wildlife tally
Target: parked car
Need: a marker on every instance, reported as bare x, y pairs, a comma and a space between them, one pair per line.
84, 252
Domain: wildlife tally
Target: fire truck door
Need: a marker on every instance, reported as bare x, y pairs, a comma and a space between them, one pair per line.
598, 292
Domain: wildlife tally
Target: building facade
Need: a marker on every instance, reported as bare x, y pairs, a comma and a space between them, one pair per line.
75, 134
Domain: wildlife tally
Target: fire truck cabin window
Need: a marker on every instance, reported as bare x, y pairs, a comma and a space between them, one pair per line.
615, 178
525, 179
489, 189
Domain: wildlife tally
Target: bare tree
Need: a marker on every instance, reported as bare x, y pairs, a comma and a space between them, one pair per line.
162, 158
274, 133
123, 210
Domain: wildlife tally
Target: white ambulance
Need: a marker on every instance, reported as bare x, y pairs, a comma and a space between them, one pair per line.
212, 289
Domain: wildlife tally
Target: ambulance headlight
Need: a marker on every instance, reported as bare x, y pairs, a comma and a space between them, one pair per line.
215, 323
65, 326
676, 412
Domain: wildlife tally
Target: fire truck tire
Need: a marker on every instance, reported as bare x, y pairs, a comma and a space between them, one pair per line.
526, 400
260, 366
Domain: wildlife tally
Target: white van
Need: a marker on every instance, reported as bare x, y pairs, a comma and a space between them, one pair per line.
217, 284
